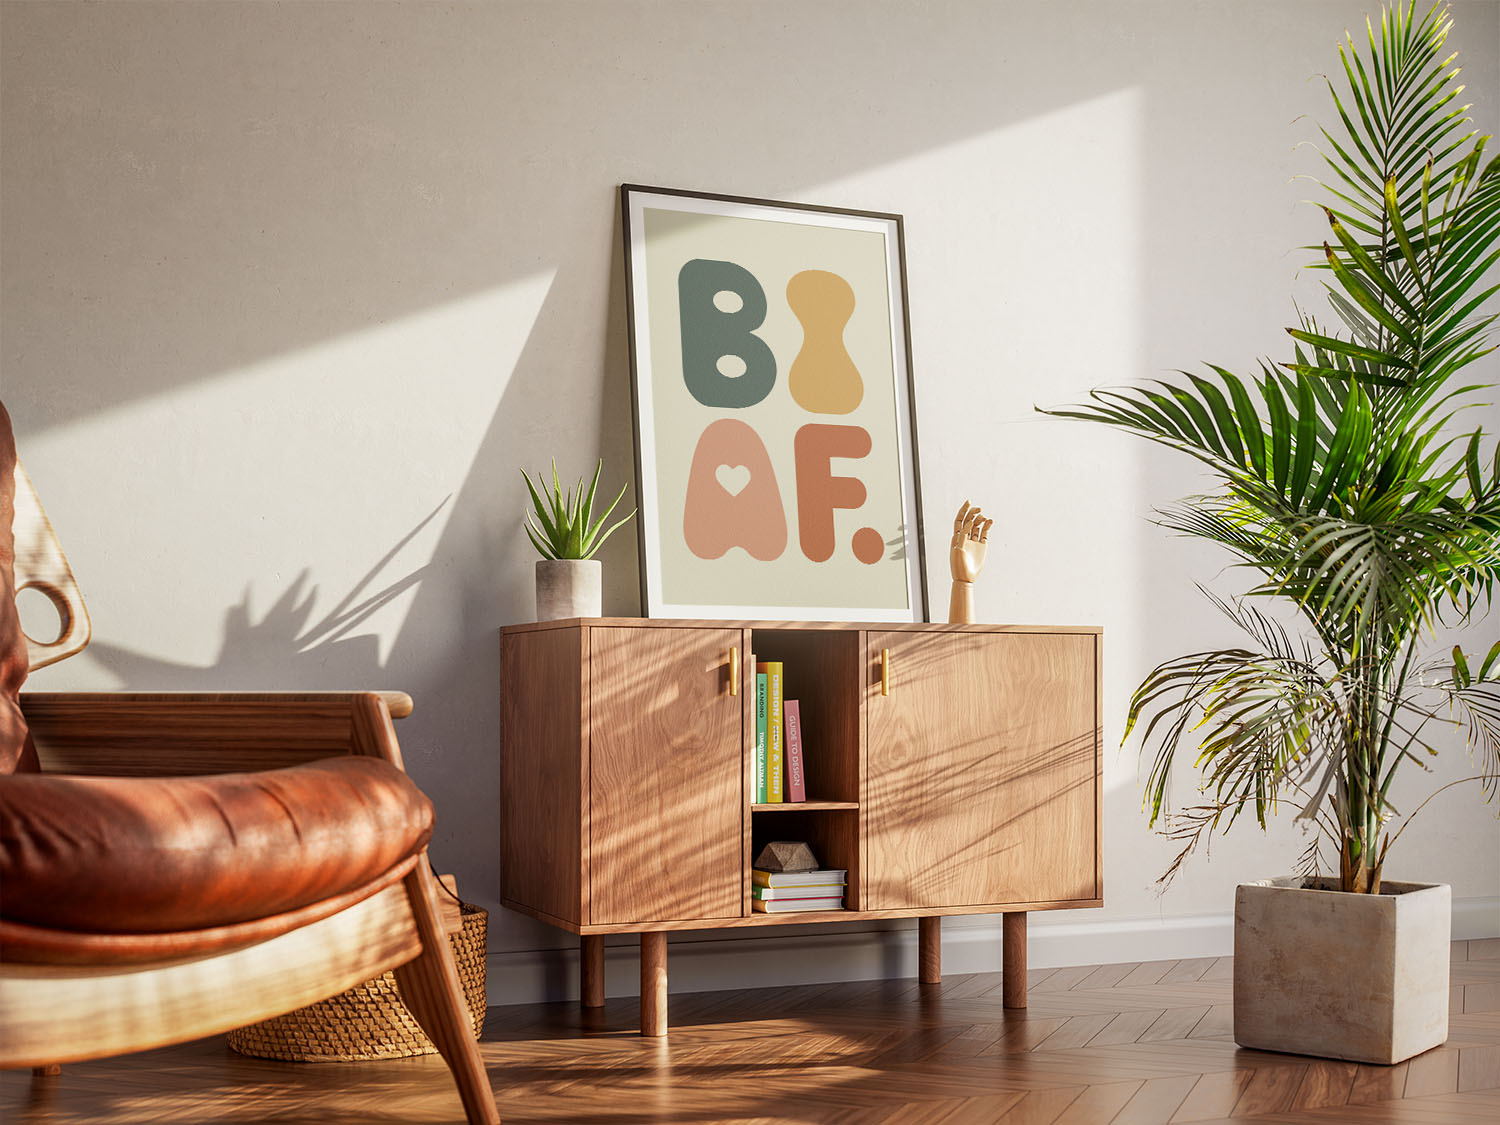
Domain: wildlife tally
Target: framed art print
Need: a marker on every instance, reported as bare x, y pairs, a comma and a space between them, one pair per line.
776, 459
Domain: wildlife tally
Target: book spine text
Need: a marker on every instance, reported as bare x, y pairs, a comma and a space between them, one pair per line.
796, 779
775, 736
760, 738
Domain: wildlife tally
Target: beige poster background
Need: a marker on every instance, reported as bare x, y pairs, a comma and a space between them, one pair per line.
773, 252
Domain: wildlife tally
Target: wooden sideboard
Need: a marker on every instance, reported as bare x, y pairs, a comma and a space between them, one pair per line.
951, 769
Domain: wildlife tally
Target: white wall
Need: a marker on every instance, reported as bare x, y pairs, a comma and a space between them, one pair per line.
290, 291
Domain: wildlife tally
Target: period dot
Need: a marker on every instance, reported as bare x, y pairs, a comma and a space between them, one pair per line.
868, 545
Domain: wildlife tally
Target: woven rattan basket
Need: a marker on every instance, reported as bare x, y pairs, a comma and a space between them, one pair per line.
369, 1021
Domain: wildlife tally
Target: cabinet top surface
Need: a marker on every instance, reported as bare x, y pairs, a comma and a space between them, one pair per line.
873, 626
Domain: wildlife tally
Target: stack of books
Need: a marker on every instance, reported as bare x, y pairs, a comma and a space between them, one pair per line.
780, 892
779, 774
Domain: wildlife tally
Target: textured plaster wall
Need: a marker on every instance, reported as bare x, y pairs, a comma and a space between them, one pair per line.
290, 291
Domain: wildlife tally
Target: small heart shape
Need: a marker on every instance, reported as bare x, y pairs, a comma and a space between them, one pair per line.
732, 478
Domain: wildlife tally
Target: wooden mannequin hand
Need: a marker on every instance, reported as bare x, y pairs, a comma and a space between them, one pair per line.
971, 532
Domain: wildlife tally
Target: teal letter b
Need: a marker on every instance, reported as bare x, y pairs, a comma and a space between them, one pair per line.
721, 305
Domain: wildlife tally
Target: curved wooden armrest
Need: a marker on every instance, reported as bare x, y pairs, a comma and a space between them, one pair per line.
41, 565
177, 733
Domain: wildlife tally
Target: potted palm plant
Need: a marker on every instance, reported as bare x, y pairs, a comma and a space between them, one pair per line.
562, 528
1345, 480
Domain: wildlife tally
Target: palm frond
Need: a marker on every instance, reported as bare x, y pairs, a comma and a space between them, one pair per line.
1339, 479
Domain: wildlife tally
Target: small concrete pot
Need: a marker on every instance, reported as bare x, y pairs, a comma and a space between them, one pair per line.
569, 588
1318, 971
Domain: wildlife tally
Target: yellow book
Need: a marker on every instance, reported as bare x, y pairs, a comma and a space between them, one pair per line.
775, 733
794, 905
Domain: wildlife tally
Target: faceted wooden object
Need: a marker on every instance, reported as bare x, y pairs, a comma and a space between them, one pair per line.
786, 855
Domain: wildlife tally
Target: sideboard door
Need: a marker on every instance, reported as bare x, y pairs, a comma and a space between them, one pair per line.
980, 774
666, 772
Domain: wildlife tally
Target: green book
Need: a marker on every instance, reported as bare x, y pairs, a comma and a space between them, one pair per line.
760, 738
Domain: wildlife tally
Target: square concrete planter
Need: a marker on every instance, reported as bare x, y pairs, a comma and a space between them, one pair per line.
569, 588
1344, 976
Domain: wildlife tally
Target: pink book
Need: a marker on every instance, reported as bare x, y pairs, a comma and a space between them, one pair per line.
796, 776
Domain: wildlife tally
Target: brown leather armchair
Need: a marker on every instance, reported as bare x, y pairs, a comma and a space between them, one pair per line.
173, 866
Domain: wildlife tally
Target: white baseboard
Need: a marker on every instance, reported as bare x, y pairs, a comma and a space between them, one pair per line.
971, 944
1476, 918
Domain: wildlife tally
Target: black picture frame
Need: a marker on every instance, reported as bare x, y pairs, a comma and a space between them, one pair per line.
678, 246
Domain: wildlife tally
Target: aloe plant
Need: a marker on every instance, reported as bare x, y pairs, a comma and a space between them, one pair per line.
563, 526
1345, 480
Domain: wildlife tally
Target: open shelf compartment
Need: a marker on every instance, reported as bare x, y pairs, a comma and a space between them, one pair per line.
821, 671
833, 835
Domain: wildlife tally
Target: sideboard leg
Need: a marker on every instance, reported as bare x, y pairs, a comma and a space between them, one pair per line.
591, 970
930, 950
654, 984
1013, 978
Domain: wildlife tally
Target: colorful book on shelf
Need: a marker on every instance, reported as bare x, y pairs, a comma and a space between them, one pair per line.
775, 748
822, 890
760, 737
788, 906
824, 877
796, 779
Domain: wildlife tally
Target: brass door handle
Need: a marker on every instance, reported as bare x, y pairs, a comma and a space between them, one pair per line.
734, 670
885, 671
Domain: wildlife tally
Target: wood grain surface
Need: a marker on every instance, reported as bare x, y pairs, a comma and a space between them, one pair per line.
653, 985
666, 763
41, 565
154, 734
63, 1013
432, 991
591, 970
801, 626
753, 920
544, 772
1013, 954
930, 950
1087, 1052
980, 770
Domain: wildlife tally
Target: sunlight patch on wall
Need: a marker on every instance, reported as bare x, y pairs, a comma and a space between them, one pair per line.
1046, 218
266, 513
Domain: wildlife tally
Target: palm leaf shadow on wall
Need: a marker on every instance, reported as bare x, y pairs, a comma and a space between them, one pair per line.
285, 648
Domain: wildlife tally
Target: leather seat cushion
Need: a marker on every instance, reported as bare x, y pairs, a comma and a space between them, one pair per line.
153, 855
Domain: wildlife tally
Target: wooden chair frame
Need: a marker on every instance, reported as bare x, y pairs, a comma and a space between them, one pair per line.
67, 1013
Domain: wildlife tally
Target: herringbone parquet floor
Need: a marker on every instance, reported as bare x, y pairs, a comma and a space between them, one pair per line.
1130, 1043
